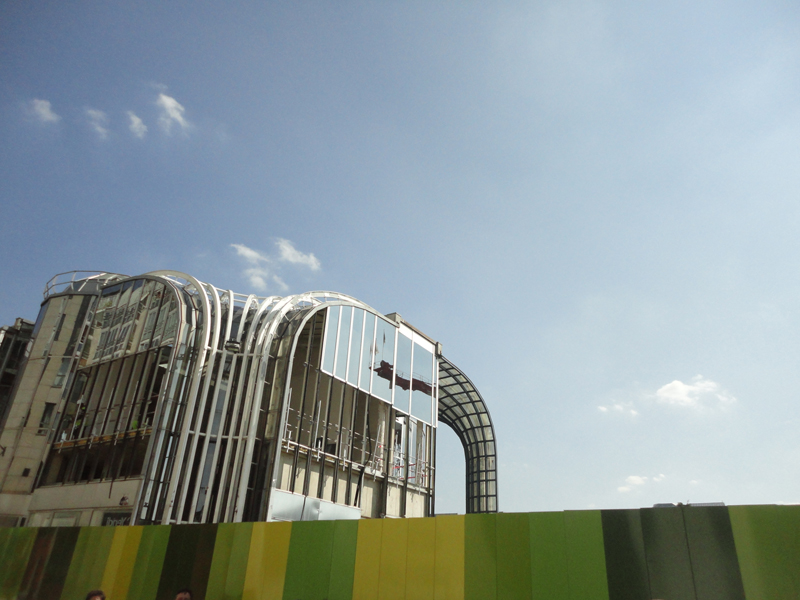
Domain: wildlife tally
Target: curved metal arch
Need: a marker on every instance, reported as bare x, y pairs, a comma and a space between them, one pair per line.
462, 408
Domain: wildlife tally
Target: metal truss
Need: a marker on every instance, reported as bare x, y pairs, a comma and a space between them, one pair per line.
462, 408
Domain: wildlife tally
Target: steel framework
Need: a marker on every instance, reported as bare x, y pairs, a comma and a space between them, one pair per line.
462, 408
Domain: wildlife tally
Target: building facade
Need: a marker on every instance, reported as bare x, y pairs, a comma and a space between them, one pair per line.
163, 399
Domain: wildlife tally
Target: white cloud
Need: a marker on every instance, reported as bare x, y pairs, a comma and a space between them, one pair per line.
262, 270
289, 253
171, 113
42, 111
620, 407
253, 256
98, 121
700, 393
137, 127
636, 481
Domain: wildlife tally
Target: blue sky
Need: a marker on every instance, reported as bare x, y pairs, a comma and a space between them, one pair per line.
592, 205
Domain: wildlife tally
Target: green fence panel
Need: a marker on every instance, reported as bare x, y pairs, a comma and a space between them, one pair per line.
667, 551
149, 562
58, 561
88, 561
308, 570
218, 573
187, 561
229, 562
18, 545
237, 567
513, 556
549, 567
343, 560
713, 553
764, 545
626, 564
480, 557
586, 555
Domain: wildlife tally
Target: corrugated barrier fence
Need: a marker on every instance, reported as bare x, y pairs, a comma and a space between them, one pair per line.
683, 552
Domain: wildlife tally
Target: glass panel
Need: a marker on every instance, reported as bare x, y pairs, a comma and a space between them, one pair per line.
422, 384
316, 340
152, 315
344, 342
398, 447
162, 318
383, 362
334, 416
119, 394
367, 350
113, 376
355, 346
141, 313
377, 418
130, 394
330, 339
171, 326
402, 374
347, 421
359, 428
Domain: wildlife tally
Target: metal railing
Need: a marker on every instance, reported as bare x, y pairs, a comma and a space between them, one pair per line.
62, 282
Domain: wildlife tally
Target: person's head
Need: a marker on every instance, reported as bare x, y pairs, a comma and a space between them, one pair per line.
96, 595
184, 594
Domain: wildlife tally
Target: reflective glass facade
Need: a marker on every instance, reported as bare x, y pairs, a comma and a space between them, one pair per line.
184, 403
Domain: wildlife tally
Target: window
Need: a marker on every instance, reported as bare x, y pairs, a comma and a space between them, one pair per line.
47, 417
63, 370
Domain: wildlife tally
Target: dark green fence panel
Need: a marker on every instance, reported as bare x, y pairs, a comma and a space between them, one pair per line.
513, 556
187, 561
308, 570
713, 552
667, 550
480, 557
626, 564
52, 554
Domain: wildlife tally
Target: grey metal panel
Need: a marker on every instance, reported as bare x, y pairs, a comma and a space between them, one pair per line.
328, 511
311, 509
462, 408
286, 506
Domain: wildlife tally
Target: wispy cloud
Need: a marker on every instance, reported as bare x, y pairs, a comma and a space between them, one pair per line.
42, 111
698, 394
633, 482
262, 268
619, 407
137, 127
290, 254
171, 114
98, 121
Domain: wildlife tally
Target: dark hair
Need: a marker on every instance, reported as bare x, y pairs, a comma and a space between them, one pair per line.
94, 594
183, 591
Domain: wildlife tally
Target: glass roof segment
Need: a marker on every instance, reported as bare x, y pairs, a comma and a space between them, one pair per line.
462, 408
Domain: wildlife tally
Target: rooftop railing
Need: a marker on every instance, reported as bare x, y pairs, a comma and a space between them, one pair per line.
75, 281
